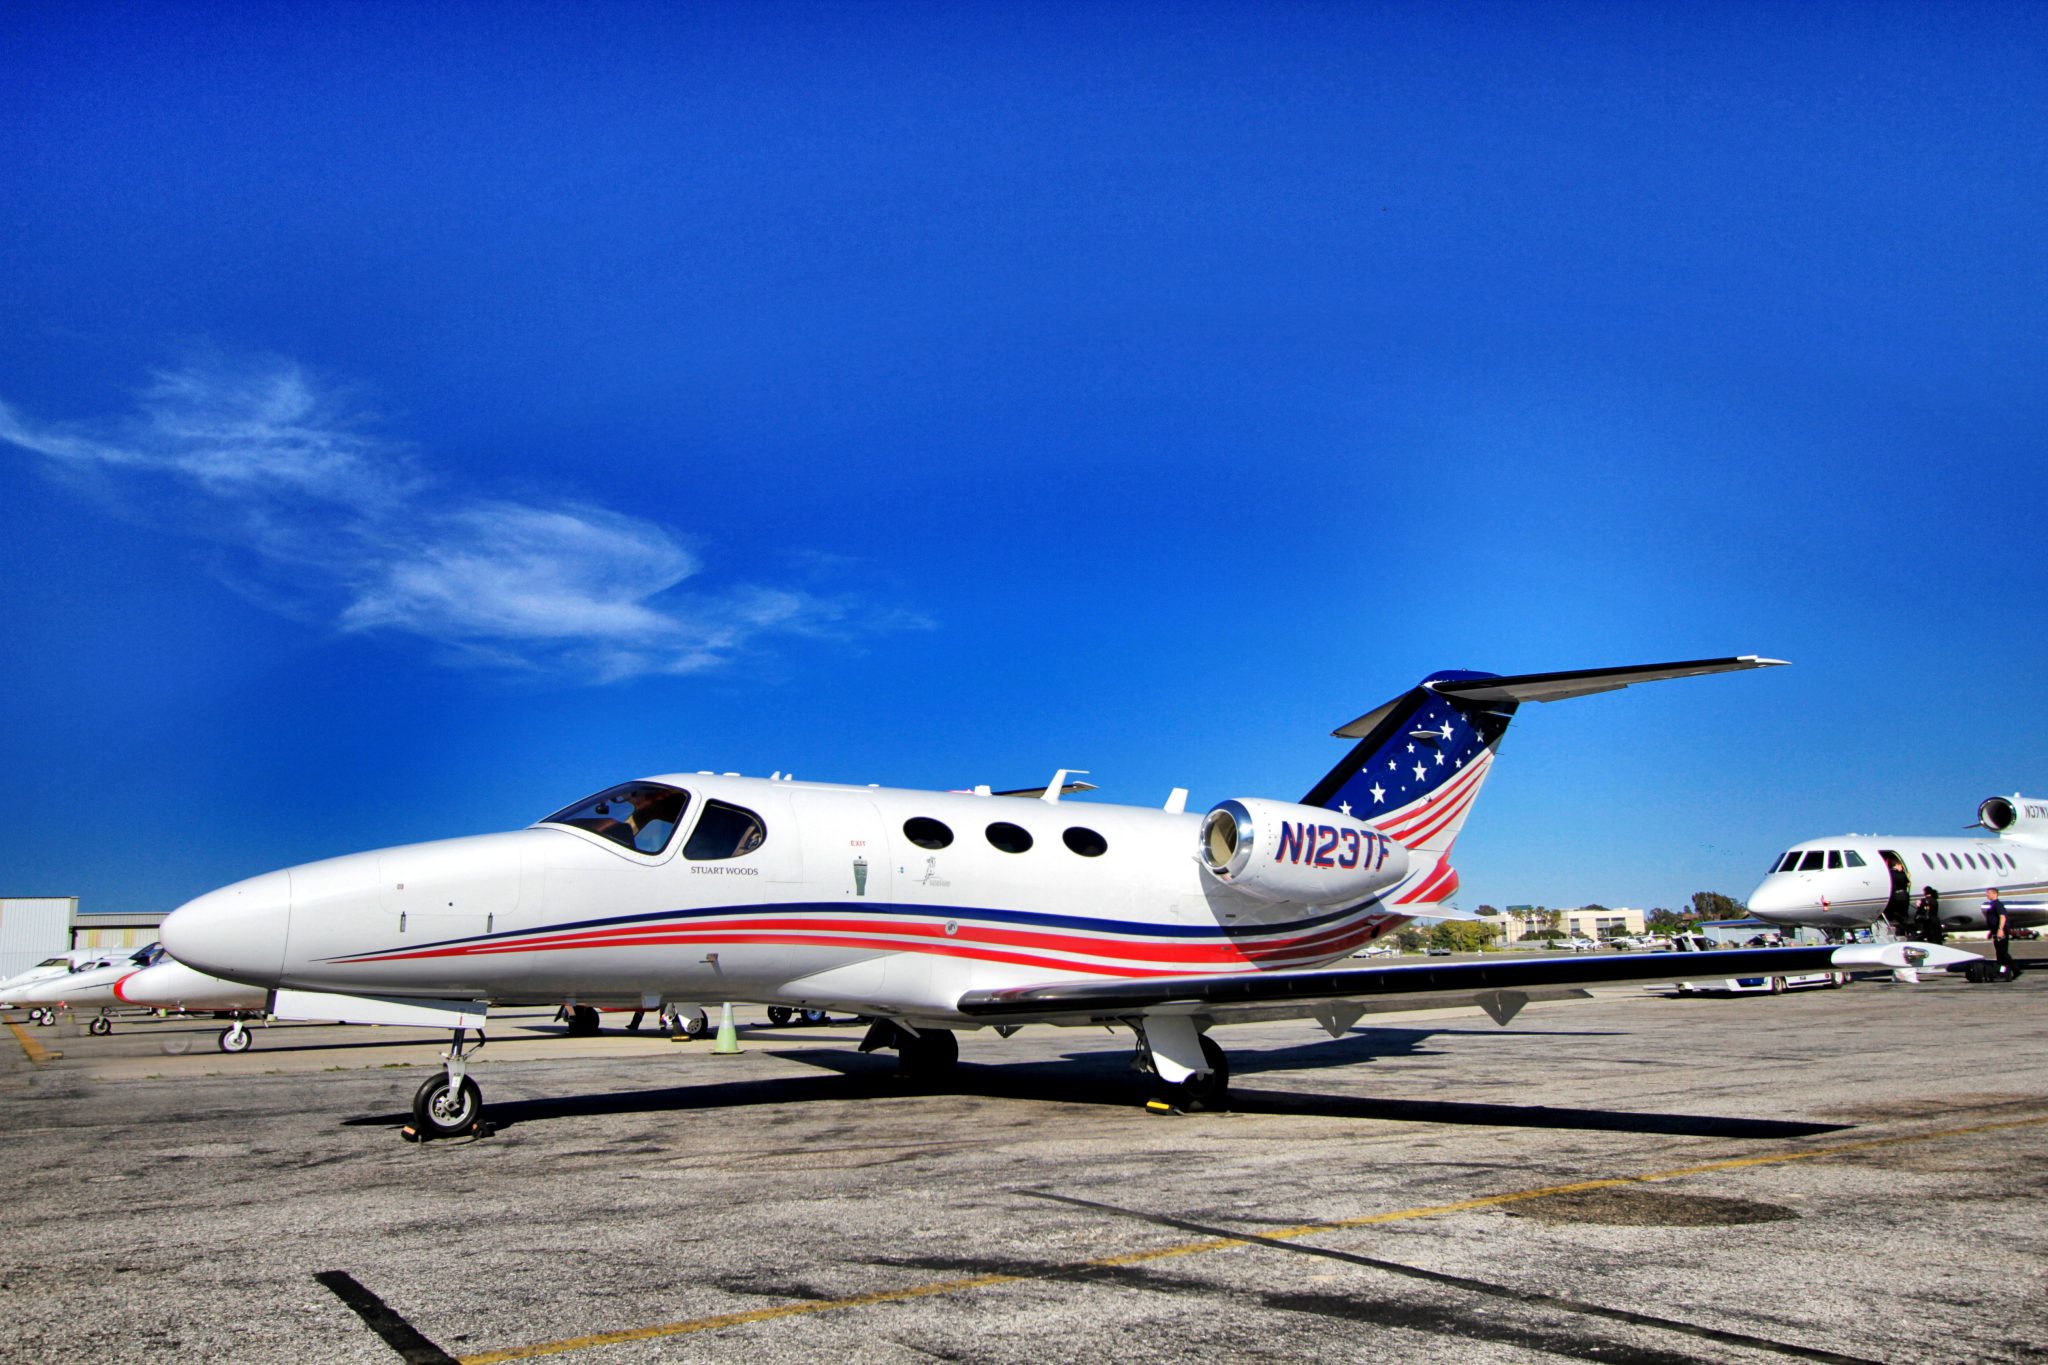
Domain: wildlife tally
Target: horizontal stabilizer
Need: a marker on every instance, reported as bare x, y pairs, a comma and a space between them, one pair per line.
1584, 682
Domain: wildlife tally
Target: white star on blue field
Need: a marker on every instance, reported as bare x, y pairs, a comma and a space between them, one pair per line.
414, 418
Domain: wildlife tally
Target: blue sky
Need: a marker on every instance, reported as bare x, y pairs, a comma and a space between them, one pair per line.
412, 418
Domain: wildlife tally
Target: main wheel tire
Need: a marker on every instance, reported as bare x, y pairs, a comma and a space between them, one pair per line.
695, 1025
582, 1021
1203, 1091
439, 1111
1777, 985
779, 1015
817, 1017
236, 1040
100, 1028
929, 1054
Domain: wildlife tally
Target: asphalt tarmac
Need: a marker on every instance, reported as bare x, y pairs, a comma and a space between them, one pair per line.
1833, 1175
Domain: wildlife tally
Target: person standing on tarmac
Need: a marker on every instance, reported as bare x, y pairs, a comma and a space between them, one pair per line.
1995, 924
1930, 916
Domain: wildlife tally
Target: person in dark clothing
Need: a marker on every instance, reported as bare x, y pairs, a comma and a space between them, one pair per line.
1995, 925
1930, 930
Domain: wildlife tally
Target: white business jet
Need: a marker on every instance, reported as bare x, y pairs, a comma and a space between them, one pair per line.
1852, 880
937, 911
168, 984
88, 987
12, 990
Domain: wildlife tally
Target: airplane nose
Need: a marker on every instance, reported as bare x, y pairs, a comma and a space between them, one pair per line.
237, 932
1776, 898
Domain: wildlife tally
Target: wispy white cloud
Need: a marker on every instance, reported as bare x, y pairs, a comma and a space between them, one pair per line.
343, 524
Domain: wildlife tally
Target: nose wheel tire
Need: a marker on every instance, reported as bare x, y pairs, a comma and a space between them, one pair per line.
439, 1110
100, 1028
236, 1039
779, 1015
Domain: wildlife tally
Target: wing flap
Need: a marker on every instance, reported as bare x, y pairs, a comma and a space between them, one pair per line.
1251, 990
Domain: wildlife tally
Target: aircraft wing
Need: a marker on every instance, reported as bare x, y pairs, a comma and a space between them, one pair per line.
1256, 994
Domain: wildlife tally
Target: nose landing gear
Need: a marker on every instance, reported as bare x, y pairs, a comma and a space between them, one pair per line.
450, 1104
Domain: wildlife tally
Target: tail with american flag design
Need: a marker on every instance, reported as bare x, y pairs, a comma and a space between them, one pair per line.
1421, 758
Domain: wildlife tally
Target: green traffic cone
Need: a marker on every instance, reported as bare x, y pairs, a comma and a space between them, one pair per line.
728, 1044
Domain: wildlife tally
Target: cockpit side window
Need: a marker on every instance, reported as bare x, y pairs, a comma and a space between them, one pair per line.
1812, 861
640, 815
724, 831
1835, 858
1852, 858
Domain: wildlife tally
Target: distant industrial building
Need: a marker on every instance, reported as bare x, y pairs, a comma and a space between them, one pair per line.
36, 928
114, 931
33, 929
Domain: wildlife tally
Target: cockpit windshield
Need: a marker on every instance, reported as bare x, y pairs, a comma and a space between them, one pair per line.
640, 815
147, 957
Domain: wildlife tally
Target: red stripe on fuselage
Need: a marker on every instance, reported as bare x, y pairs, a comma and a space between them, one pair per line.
1125, 949
1334, 946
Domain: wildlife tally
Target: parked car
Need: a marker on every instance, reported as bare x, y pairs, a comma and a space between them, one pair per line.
1437, 950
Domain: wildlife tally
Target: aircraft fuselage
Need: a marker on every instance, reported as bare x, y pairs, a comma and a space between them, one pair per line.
851, 898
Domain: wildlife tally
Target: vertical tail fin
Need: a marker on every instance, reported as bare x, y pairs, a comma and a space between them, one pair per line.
1421, 759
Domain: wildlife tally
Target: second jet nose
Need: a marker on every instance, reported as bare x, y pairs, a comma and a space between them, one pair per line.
1777, 898
237, 932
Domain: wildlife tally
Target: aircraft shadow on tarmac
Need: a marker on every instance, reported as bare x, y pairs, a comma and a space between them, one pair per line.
1105, 1078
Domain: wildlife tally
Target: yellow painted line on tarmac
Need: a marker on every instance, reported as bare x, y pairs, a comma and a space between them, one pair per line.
938, 1287
37, 1053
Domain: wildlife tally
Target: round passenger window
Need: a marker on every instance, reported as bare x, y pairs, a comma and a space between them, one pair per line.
1086, 842
1008, 837
926, 833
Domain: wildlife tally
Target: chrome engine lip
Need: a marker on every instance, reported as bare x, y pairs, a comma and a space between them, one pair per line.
1246, 840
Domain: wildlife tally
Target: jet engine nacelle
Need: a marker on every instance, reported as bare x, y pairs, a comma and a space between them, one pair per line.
1278, 851
2015, 815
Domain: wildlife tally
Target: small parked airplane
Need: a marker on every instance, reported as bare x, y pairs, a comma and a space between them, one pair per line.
936, 911
1850, 880
90, 986
12, 990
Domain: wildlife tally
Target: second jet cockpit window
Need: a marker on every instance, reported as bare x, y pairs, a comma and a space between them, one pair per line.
724, 831
640, 815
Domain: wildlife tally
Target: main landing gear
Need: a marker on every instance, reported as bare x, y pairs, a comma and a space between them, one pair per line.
449, 1104
1189, 1071
921, 1053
